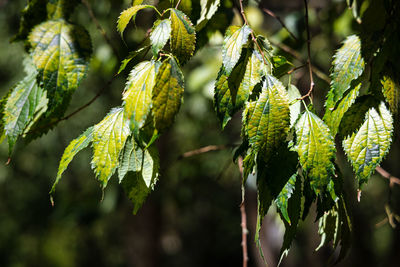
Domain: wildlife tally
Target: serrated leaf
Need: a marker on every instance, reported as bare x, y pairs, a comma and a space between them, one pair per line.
235, 38
391, 91
316, 150
138, 92
109, 137
282, 200
208, 9
167, 94
130, 14
268, 124
61, 53
367, 147
348, 65
183, 36
160, 35
70, 152
294, 103
3, 102
333, 117
230, 93
26, 100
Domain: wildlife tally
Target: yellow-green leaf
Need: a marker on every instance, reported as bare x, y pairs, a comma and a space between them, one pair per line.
109, 137
159, 35
208, 9
268, 124
391, 91
138, 92
316, 150
129, 14
235, 38
294, 104
167, 94
183, 36
70, 152
368, 146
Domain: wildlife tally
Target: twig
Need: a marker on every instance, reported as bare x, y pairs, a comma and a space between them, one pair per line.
296, 68
205, 149
177, 4
101, 29
243, 218
392, 180
308, 53
272, 14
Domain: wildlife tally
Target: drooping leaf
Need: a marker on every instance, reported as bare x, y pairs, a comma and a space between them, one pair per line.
183, 36
284, 196
61, 53
231, 92
268, 124
333, 117
160, 35
208, 9
26, 100
391, 91
235, 38
294, 104
138, 92
348, 65
109, 137
130, 14
316, 150
167, 94
70, 152
367, 147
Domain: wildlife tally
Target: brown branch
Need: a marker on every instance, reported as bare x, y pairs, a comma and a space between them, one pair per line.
243, 217
205, 149
101, 29
272, 14
392, 180
308, 54
296, 68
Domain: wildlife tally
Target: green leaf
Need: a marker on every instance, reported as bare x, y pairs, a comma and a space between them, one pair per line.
333, 117
316, 150
61, 53
138, 92
3, 102
130, 14
109, 137
268, 124
208, 9
235, 38
391, 91
70, 152
231, 93
183, 36
159, 35
26, 100
131, 56
57, 9
167, 94
348, 65
284, 196
368, 146
294, 103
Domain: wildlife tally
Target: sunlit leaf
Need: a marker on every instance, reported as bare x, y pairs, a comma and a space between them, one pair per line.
208, 9
167, 94
368, 146
391, 91
130, 14
183, 36
109, 137
284, 196
70, 152
316, 150
235, 38
160, 35
294, 104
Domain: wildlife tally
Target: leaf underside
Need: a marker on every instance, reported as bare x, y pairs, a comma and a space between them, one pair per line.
235, 38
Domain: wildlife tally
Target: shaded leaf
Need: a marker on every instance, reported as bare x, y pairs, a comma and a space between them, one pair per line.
235, 38
316, 149
72, 149
160, 35
34, 13
391, 91
367, 147
130, 14
208, 9
167, 94
183, 36
131, 56
109, 137
294, 104
57, 9
138, 92
284, 196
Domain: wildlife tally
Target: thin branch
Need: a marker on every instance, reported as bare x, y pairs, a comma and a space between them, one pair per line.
272, 14
177, 4
296, 68
205, 149
392, 180
101, 29
308, 53
243, 217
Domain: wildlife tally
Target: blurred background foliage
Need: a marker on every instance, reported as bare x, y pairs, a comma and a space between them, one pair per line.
192, 218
